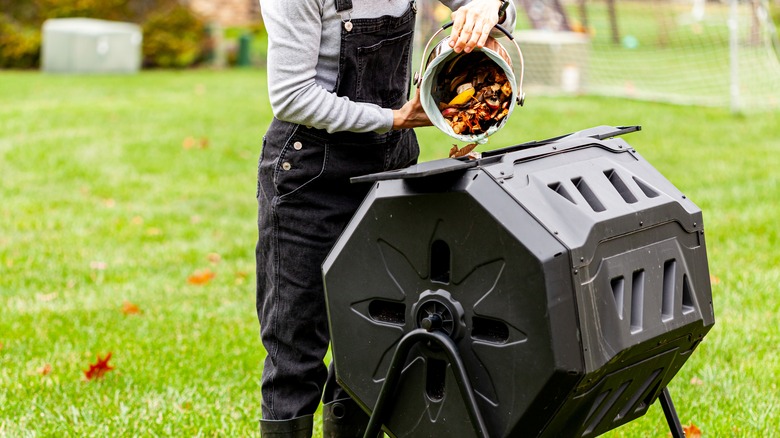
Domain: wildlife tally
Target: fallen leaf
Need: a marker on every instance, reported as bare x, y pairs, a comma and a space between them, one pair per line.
129, 308
137, 220
691, 431
697, 381
44, 370
214, 258
46, 297
456, 152
188, 143
714, 280
110, 203
195, 143
201, 276
99, 369
97, 265
1, 345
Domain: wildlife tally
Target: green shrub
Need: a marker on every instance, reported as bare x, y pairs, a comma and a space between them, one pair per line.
20, 47
173, 38
173, 35
116, 10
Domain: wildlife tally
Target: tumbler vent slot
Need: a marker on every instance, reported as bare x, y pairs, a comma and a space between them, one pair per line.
561, 190
620, 186
669, 285
637, 300
618, 288
646, 189
588, 194
687, 298
435, 378
489, 330
440, 262
387, 311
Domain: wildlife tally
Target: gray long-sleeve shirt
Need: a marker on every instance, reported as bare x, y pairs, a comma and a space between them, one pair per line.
304, 40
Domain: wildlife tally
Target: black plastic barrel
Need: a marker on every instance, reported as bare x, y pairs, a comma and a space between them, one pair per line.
569, 275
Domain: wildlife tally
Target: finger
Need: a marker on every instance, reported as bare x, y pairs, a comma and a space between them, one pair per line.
485, 34
465, 33
476, 35
457, 24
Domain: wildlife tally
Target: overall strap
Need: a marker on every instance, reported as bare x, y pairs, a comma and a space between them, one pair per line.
343, 5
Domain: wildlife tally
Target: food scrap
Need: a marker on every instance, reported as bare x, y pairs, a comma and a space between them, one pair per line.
473, 93
467, 150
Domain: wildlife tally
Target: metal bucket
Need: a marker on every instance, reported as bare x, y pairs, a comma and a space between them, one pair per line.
441, 56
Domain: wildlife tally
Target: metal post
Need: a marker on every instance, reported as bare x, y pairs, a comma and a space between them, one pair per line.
671, 415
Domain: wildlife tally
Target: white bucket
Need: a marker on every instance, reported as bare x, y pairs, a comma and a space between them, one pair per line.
440, 57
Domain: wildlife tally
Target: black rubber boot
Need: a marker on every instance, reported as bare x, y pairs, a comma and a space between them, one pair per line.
344, 419
299, 427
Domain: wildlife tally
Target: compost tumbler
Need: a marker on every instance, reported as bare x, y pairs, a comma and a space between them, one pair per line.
552, 288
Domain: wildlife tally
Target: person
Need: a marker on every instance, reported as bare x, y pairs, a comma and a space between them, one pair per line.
338, 84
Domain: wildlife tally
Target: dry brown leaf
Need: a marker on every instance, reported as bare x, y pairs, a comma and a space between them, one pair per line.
692, 431
195, 143
129, 308
455, 152
44, 370
201, 277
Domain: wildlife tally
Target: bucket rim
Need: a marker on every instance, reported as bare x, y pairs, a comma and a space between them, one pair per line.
431, 108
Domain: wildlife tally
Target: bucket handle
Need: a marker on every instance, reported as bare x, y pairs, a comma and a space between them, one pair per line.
520, 95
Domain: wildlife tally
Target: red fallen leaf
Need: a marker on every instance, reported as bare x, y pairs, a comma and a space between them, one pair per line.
44, 370
129, 308
201, 276
98, 369
691, 431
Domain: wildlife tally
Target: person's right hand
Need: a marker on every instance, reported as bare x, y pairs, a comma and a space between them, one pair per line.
472, 23
411, 115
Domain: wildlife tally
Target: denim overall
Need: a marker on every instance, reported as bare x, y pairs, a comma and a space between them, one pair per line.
305, 200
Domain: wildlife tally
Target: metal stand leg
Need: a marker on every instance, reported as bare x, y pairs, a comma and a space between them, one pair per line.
396, 366
671, 415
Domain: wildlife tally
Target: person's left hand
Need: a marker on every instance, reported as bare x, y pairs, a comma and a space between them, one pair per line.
411, 115
472, 23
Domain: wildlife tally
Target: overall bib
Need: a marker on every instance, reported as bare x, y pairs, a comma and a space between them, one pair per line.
305, 200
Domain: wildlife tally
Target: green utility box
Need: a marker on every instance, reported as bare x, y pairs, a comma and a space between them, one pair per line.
85, 45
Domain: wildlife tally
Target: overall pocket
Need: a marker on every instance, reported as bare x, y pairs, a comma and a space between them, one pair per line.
383, 72
301, 161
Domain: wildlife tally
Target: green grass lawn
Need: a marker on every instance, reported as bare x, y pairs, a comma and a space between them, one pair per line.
116, 189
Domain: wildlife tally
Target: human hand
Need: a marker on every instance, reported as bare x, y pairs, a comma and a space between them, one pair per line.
472, 23
411, 115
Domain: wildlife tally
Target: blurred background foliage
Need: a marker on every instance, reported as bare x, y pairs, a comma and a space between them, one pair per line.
174, 35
